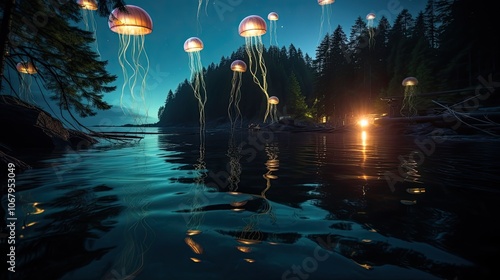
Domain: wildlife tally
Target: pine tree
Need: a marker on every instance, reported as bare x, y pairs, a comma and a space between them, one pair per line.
44, 33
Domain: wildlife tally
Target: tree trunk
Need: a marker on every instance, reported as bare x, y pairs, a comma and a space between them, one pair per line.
4, 34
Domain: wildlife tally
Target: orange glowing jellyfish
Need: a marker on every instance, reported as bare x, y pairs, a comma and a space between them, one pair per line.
273, 103
408, 106
273, 18
371, 29
193, 47
26, 70
88, 8
252, 28
326, 12
238, 67
132, 25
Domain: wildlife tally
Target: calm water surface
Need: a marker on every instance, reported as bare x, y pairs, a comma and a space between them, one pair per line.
262, 205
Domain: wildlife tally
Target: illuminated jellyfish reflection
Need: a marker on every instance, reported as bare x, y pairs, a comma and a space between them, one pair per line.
326, 12
371, 29
273, 111
238, 67
408, 107
88, 8
273, 18
252, 28
26, 70
193, 47
132, 25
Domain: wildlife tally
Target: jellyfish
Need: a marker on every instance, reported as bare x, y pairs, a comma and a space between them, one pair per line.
238, 67
272, 17
252, 28
273, 103
408, 107
326, 11
132, 25
371, 31
193, 47
26, 70
88, 7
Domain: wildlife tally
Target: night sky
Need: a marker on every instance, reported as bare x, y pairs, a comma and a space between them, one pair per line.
217, 26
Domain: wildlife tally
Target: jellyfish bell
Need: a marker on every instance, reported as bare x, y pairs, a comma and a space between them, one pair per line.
239, 66
273, 100
87, 4
252, 25
325, 2
133, 21
410, 81
193, 44
272, 16
370, 16
26, 67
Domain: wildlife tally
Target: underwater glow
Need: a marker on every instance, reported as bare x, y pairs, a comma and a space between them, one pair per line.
193, 47
371, 31
326, 12
252, 28
273, 18
408, 107
88, 8
238, 67
26, 70
273, 104
132, 26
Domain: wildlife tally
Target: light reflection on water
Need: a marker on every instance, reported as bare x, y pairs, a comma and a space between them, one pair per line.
260, 205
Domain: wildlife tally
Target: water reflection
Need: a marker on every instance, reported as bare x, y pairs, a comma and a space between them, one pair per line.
234, 154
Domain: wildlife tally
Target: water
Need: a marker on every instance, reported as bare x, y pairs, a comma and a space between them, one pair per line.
262, 205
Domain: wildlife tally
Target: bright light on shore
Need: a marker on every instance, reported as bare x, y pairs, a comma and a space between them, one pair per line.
363, 122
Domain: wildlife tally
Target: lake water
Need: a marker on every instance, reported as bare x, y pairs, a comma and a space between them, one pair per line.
262, 205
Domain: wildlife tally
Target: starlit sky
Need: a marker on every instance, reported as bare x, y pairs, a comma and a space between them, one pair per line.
300, 23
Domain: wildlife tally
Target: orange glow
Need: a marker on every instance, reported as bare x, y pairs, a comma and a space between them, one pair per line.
252, 26
195, 260
197, 249
249, 260
239, 66
272, 16
26, 67
193, 44
410, 81
133, 21
244, 249
248, 241
192, 232
325, 2
273, 100
87, 4
363, 123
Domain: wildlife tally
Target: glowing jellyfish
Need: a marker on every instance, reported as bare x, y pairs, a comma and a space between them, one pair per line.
326, 12
252, 28
371, 31
273, 104
88, 8
26, 70
273, 18
408, 107
132, 25
193, 47
238, 67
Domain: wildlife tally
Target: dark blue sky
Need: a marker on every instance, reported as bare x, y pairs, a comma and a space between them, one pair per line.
175, 21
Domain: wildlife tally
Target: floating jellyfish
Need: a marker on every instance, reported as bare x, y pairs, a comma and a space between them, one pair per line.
408, 107
252, 28
88, 8
132, 25
273, 18
326, 12
238, 67
193, 47
371, 31
26, 70
273, 104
